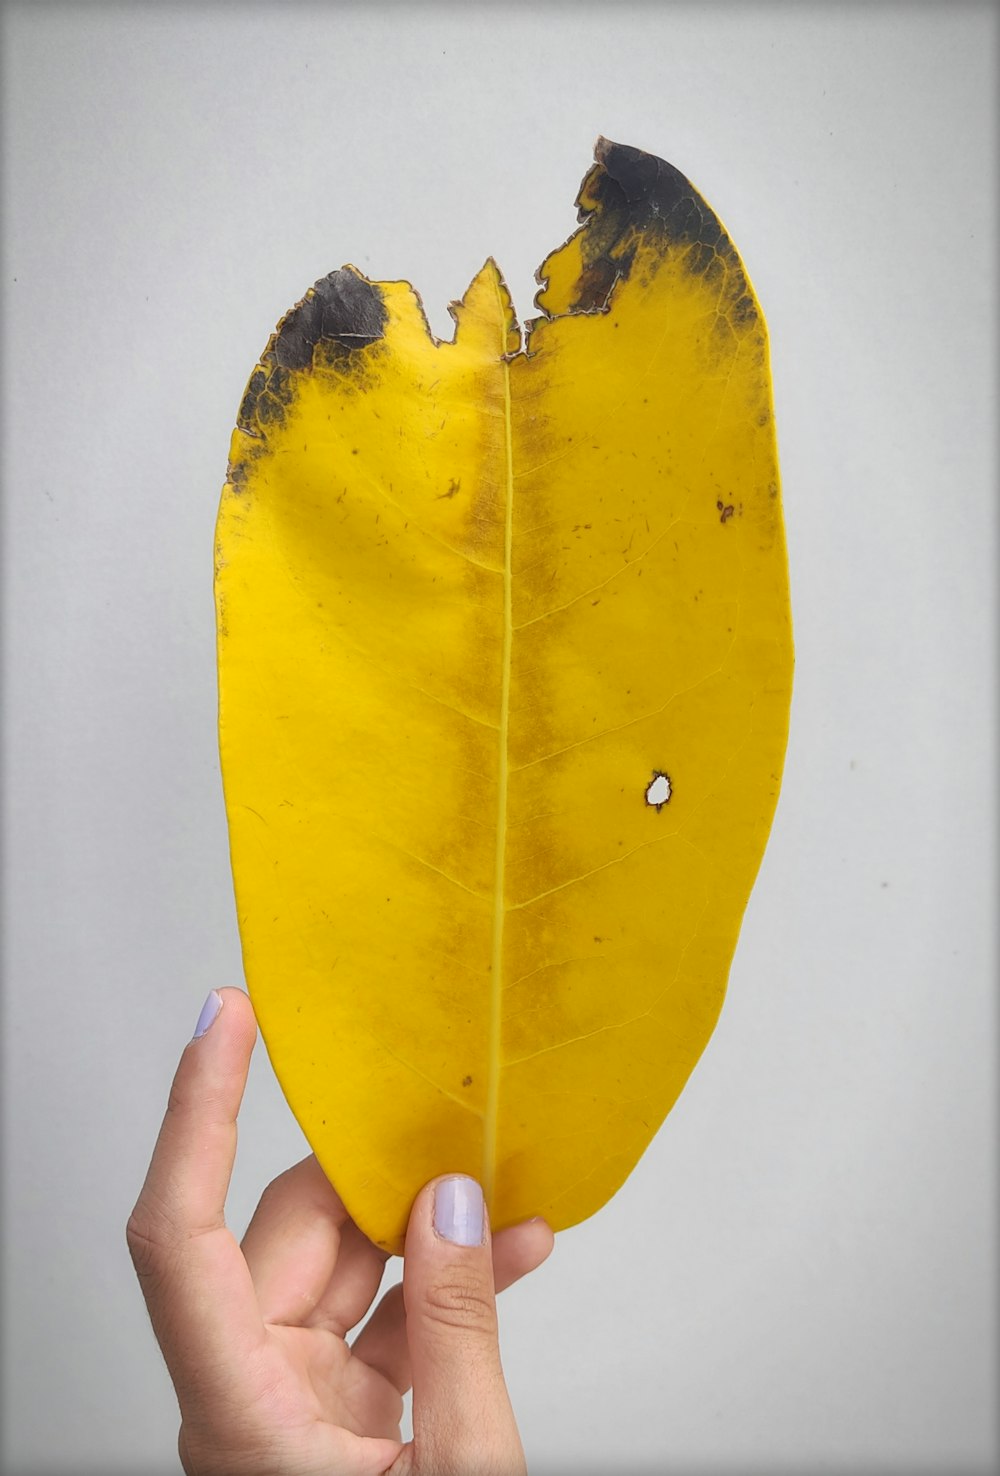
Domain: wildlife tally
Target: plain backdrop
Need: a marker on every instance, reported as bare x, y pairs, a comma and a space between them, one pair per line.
800, 1275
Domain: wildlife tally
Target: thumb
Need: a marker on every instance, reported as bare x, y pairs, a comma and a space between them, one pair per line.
463, 1424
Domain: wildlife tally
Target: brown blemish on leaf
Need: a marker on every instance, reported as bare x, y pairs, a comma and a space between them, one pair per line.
236, 474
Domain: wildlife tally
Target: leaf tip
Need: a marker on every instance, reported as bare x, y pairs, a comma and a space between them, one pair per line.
487, 302
629, 202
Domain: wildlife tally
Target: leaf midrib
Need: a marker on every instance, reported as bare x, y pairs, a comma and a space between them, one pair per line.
499, 907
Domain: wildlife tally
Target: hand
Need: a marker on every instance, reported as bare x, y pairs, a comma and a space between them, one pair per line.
255, 1336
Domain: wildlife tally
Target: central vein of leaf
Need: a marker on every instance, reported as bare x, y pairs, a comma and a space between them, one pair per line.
496, 966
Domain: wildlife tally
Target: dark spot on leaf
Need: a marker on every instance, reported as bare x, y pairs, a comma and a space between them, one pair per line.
258, 379
279, 384
628, 194
466, 1081
339, 315
699, 258
341, 308
743, 310
269, 409
595, 283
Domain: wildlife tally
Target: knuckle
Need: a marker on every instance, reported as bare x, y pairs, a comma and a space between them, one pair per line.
148, 1240
178, 1098
273, 1206
275, 1193
461, 1302
194, 1094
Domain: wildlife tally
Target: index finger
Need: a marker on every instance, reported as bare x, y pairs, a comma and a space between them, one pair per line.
196, 1283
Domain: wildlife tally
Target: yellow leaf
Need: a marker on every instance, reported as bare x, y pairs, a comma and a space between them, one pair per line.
505, 664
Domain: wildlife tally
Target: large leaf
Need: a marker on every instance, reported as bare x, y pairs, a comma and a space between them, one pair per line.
505, 663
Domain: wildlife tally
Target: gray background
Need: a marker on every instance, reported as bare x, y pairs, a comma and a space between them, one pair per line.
800, 1274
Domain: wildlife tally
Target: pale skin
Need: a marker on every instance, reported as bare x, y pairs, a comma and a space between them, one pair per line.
255, 1335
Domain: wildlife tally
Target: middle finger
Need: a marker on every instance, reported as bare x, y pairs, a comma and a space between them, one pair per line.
293, 1242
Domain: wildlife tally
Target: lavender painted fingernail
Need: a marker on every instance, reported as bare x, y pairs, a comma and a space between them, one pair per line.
209, 1014
458, 1210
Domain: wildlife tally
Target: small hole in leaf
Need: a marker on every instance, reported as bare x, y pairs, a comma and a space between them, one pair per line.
658, 790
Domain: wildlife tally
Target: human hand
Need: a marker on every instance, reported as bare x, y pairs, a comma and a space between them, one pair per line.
255, 1336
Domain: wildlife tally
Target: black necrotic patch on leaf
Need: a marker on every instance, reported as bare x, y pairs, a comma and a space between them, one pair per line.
342, 308
646, 192
343, 312
248, 406
631, 193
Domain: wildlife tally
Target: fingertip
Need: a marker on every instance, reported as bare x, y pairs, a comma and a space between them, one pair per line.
241, 1022
542, 1237
215, 1063
227, 1017
380, 1454
449, 1210
520, 1249
458, 1210
237, 1001
209, 1014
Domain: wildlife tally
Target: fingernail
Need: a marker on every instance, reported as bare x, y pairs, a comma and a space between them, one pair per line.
209, 1014
458, 1210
